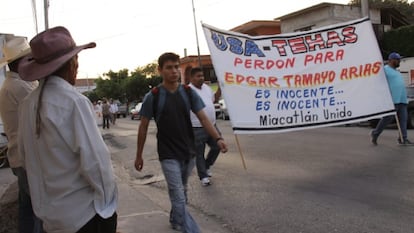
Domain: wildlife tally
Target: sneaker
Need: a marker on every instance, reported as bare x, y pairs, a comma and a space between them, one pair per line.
205, 181
176, 227
373, 138
406, 142
209, 173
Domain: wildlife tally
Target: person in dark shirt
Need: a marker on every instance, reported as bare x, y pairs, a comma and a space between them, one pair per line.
170, 105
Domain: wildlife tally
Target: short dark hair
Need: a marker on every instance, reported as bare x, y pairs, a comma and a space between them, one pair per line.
195, 70
167, 57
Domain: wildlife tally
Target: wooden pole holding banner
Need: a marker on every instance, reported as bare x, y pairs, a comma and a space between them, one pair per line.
241, 153
399, 127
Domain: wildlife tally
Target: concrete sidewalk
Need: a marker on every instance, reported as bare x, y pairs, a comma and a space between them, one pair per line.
140, 208
146, 209
144, 204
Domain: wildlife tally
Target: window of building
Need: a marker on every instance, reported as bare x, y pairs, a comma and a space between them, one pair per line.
303, 29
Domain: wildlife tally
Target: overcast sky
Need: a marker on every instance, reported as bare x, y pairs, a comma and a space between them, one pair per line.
132, 33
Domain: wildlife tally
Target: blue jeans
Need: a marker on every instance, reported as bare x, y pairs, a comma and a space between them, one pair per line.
176, 174
27, 220
201, 139
402, 115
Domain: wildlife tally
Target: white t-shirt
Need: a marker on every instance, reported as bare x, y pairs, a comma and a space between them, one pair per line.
207, 95
113, 108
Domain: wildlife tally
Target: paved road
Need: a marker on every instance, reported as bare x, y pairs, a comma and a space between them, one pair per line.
322, 180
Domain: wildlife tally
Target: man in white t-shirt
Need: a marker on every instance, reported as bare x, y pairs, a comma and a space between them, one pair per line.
200, 135
113, 109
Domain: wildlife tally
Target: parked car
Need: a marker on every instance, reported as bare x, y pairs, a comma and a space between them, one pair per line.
122, 109
135, 111
410, 108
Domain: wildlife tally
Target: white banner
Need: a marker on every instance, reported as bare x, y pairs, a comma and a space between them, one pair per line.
324, 77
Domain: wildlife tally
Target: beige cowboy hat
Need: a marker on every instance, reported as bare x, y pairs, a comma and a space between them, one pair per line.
14, 49
51, 49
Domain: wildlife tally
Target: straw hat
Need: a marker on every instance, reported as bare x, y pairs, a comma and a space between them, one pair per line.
51, 49
14, 49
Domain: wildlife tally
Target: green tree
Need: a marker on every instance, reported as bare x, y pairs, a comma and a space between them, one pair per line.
148, 70
108, 88
154, 81
135, 87
92, 95
399, 40
128, 87
113, 86
117, 76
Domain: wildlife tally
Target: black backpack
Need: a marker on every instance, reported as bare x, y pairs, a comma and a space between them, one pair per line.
159, 104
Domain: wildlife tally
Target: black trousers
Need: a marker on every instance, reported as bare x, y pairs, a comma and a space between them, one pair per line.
100, 225
106, 119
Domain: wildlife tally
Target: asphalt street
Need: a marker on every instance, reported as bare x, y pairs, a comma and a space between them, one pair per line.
314, 181
321, 180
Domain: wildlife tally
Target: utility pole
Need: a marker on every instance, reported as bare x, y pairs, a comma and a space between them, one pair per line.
196, 34
34, 10
46, 8
87, 80
364, 8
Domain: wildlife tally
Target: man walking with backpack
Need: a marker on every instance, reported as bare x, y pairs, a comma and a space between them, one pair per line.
170, 105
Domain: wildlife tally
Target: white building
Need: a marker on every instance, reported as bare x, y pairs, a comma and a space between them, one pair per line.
84, 85
323, 14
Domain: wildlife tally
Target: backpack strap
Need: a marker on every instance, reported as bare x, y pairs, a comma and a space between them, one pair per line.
155, 91
158, 103
188, 99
